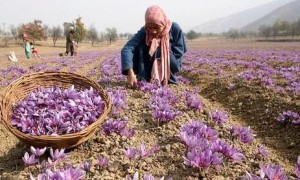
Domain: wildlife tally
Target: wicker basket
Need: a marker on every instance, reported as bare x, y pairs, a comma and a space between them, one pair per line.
21, 87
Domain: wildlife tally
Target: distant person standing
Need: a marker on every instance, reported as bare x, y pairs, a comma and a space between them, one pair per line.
27, 48
70, 42
26, 45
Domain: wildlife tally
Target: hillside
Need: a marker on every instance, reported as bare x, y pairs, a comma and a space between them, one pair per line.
288, 12
241, 19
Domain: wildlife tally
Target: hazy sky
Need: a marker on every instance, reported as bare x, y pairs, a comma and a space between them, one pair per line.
125, 15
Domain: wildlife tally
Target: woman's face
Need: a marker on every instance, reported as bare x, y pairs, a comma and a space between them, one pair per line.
154, 29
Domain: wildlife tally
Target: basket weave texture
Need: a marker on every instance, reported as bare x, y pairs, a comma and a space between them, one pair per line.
20, 88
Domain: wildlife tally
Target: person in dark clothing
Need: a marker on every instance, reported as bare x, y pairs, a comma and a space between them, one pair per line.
155, 52
70, 42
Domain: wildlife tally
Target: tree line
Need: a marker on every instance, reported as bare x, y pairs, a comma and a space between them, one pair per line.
279, 28
36, 30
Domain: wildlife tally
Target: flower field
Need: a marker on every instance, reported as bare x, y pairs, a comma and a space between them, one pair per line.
235, 114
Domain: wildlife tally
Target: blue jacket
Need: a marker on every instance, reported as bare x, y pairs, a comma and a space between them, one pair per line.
135, 54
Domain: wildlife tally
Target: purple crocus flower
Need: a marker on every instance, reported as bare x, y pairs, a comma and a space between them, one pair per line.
267, 81
220, 117
102, 161
228, 151
262, 150
163, 111
243, 133
118, 98
74, 173
288, 117
155, 148
192, 141
249, 176
130, 153
127, 132
193, 101
183, 80
272, 172
192, 127
209, 133
46, 164
118, 126
135, 176
53, 175
86, 166
202, 159
146, 87
57, 154
148, 177
29, 160
235, 155
143, 152
37, 152
247, 75
164, 92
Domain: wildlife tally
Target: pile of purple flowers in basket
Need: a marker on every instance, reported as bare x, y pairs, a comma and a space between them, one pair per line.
57, 111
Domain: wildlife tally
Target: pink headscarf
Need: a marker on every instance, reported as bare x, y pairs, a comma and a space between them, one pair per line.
160, 69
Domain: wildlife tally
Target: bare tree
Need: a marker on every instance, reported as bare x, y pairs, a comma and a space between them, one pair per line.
46, 31
111, 34
297, 27
276, 28
92, 34
265, 31
5, 37
284, 28
14, 32
233, 34
55, 33
293, 29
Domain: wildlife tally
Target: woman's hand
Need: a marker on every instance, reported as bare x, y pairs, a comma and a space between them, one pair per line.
131, 78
